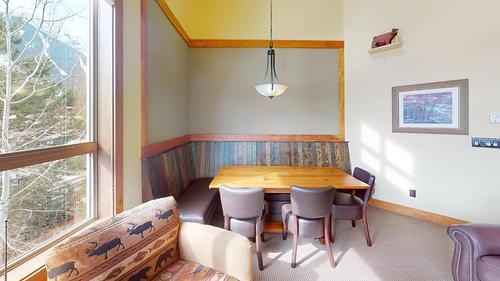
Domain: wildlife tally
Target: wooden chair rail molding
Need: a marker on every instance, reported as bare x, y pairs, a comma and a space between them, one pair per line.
159, 147
415, 213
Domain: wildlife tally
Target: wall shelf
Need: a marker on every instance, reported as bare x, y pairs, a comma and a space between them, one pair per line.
396, 43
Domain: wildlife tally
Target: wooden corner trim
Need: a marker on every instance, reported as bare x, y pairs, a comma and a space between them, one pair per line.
173, 20
159, 147
223, 43
39, 274
415, 213
341, 93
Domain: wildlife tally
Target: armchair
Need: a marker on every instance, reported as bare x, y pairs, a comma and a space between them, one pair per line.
477, 252
149, 242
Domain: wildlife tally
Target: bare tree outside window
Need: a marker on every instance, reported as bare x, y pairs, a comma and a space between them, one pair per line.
44, 93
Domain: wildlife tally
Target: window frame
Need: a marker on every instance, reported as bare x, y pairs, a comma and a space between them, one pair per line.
104, 146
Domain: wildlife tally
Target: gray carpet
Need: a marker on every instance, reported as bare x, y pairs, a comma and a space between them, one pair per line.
403, 249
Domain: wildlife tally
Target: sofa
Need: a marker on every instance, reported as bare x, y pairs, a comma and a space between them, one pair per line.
476, 255
149, 242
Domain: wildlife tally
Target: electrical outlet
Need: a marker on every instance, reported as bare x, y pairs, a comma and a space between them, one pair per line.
413, 193
486, 142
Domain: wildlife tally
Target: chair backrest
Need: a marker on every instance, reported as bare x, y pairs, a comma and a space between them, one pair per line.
134, 245
312, 203
242, 203
367, 178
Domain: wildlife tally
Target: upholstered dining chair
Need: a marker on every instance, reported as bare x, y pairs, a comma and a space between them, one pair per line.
308, 216
244, 213
353, 206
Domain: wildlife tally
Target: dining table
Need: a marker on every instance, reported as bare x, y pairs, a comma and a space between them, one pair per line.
279, 179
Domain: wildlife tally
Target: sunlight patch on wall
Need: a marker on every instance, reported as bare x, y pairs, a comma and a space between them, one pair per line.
371, 161
399, 157
398, 180
370, 138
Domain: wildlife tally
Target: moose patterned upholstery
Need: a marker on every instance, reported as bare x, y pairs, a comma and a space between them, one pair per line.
148, 242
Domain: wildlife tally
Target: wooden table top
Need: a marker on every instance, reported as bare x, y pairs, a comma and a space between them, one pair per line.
278, 179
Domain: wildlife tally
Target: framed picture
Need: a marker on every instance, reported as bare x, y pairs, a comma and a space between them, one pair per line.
431, 108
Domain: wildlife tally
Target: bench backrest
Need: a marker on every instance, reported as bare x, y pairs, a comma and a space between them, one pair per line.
134, 245
170, 173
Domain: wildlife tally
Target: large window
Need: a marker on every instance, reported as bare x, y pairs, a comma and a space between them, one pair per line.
46, 121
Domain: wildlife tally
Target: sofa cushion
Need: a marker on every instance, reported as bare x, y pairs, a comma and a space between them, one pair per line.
488, 268
135, 244
185, 270
198, 202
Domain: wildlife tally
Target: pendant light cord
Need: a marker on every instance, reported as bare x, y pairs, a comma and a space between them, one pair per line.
271, 25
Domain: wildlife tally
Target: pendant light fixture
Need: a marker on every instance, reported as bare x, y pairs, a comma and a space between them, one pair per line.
271, 86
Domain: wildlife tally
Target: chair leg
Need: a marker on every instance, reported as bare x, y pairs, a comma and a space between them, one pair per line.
284, 230
295, 240
226, 222
258, 246
367, 231
353, 222
326, 226
332, 234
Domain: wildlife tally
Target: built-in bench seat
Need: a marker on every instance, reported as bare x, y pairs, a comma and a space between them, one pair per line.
198, 203
185, 171
172, 173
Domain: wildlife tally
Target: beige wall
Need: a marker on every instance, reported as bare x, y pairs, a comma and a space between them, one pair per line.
168, 57
249, 19
132, 195
222, 98
443, 40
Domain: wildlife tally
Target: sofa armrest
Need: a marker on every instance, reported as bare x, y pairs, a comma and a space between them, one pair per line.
484, 237
472, 241
217, 248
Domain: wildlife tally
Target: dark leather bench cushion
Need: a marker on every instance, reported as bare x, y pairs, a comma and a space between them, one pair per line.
198, 203
488, 268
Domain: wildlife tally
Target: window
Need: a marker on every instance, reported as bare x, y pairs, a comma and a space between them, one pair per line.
47, 148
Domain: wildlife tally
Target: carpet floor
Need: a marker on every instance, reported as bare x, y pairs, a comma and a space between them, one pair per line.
404, 249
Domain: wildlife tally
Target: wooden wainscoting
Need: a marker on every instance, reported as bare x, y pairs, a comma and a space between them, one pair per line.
159, 147
415, 213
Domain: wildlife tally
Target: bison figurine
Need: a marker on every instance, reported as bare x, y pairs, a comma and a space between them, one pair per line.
384, 39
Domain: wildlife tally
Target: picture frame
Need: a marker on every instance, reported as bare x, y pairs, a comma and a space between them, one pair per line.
431, 108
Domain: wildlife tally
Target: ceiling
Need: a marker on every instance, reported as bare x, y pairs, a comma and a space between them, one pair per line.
249, 19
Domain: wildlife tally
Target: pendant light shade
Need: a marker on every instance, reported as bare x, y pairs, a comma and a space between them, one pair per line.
271, 86
271, 90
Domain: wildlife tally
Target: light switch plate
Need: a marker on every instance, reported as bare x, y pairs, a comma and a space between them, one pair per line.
495, 117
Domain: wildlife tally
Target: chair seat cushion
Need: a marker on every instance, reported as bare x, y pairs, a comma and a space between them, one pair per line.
245, 227
488, 268
185, 270
198, 202
309, 228
347, 207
